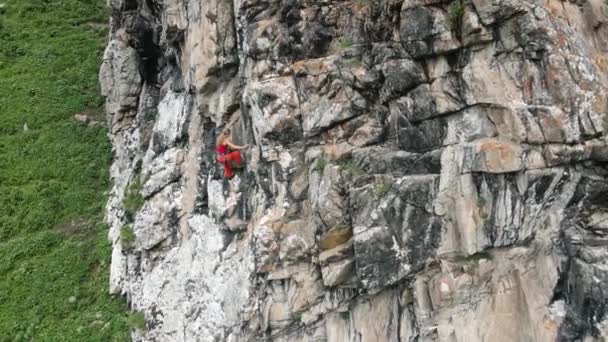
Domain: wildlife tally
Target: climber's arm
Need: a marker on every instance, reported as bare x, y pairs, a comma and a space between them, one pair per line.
235, 147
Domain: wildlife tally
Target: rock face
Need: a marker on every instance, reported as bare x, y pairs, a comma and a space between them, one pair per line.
420, 170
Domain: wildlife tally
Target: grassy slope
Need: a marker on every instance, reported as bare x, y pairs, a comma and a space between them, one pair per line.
53, 251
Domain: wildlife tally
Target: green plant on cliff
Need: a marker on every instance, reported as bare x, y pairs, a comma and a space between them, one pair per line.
133, 200
320, 165
54, 176
350, 168
455, 16
127, 236
345, 42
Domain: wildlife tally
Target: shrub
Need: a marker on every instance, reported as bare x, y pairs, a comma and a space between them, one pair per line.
351, 168
345, 42
321, 164
455, 15
127, 236
133, 200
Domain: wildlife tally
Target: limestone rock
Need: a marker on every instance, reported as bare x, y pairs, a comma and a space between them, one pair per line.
419, 170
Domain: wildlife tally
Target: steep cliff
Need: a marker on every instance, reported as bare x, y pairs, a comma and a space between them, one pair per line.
421, 170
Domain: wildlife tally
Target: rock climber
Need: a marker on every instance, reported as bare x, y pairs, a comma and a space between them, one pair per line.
230, 159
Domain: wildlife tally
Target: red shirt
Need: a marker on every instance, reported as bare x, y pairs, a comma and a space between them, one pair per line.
222, 149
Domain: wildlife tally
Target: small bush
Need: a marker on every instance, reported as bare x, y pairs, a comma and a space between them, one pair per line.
455, 15
351, 168
321, 164
345, 42
137, 321
127, 236
133, 200
382, 187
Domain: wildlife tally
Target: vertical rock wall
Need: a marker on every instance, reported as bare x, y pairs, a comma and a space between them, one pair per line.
421, 170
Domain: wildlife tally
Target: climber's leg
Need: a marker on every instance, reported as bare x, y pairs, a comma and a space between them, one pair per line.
235, 158
228, 170
223, 159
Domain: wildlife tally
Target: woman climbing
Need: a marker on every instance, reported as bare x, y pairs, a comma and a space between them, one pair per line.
227, 158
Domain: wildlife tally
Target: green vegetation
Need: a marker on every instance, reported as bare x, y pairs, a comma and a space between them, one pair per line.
137, 321
133, 200
351, 168
455, 16
127, 237
382, 186
345, 42
320, 165
53, 176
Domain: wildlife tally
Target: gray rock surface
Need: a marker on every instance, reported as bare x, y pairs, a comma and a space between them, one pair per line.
420, 170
